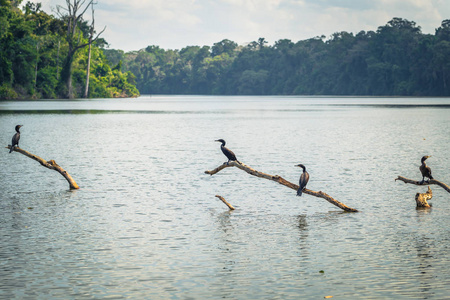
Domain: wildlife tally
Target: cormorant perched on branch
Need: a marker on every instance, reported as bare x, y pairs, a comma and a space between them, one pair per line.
304, 178
424, 169
15, 138
228, 153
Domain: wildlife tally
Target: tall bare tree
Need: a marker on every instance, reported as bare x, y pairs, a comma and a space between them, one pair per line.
88, 70
73, 15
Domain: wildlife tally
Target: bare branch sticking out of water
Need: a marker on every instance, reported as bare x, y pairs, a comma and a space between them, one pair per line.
431, 181
226, 202
421, 199
282, 181
49, 164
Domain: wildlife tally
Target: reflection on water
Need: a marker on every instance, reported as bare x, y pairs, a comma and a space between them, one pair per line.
146, 224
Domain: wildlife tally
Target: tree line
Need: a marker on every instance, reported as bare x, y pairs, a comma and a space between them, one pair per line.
43, 56
396, 59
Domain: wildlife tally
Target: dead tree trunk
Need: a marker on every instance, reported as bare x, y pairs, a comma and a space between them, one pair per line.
88, 69
282, 181
421, 199
431, 181
50, 164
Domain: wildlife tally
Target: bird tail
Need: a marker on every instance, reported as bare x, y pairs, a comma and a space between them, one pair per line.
431, 177
241, 164
11, 149
299, 192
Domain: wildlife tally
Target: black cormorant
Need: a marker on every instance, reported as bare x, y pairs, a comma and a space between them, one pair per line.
304, 178
228, 153
424, 169
15, 138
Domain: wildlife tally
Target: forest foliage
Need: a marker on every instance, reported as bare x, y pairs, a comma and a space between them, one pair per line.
33, 47
396, 59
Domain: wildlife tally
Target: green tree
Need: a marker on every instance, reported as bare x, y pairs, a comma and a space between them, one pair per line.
253, 82
224, 46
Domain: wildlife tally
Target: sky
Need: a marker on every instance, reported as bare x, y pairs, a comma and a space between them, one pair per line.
174, 24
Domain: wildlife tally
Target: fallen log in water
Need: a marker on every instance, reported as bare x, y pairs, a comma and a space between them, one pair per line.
282, 181
50, 164
431, 181
421, 199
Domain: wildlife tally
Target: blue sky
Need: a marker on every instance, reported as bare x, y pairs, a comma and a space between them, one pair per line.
174, 24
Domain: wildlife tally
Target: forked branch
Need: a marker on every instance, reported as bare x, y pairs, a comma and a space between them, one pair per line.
282, 181
431, 181
49, 164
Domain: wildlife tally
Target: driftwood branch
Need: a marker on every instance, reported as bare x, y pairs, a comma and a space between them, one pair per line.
50, 164
225, 201
421, 199
431, 181
282, 181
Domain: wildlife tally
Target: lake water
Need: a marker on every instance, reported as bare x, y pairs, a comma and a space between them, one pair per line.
145, 223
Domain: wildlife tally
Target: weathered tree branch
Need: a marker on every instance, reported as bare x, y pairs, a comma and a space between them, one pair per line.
282, 181
421, 199
225, 201
92, 40
50, 164
431, 181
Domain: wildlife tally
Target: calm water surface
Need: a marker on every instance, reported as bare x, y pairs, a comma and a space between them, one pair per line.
146, 225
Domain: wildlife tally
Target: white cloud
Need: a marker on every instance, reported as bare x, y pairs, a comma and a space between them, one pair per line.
135, 24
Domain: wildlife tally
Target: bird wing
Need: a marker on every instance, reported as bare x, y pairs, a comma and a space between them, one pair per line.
304, 178
228, 153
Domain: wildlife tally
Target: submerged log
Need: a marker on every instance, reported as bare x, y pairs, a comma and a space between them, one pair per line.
50, 164
282, 181
431, 181
421, 199
225, 201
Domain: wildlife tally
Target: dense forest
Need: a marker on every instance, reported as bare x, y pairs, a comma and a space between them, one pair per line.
43, 56
397, 59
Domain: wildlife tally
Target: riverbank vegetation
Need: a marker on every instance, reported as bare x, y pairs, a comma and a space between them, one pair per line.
395, 60
35, 48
